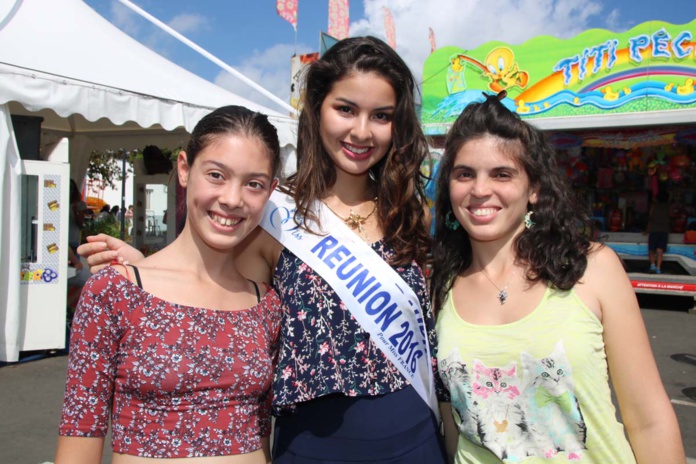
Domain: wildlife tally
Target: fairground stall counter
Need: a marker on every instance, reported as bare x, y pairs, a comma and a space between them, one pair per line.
620, 108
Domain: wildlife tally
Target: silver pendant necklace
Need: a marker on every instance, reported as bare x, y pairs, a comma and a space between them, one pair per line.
502, 292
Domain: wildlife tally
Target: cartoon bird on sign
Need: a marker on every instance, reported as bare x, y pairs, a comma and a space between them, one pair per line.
503, 71
499, 67
455, 74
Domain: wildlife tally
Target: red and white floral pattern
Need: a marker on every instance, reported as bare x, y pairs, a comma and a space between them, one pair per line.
178, 381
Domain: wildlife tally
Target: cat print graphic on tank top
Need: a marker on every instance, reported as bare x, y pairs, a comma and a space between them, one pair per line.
487, 400
455, 377
556, 422
496, 396
517, 410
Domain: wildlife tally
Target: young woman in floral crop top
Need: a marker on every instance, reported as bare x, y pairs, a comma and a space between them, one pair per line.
179, 352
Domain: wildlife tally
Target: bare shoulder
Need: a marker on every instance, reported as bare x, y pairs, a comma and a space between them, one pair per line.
603, 263
604, 279
257, 255
259, 242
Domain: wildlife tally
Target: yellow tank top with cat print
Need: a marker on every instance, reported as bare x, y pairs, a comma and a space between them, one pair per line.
532, 391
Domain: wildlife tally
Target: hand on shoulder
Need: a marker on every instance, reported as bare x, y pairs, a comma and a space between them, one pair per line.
100, 250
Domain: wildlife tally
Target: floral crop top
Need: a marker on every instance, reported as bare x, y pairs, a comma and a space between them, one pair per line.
178, 381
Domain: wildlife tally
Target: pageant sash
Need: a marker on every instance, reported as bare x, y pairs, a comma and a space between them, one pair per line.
376, 296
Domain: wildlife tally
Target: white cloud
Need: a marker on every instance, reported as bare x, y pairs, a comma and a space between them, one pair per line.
471, 23
124, 18
152, 36
187, 23
615, 22
269, 68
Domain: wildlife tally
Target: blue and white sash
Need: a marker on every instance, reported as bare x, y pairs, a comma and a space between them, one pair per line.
377, 297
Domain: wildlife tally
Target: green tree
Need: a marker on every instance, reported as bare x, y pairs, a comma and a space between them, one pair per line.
107, 166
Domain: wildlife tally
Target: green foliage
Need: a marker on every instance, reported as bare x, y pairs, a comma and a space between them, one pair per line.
108, 226
106, 166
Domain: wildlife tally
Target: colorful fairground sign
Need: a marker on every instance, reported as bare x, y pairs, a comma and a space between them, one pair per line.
651, 67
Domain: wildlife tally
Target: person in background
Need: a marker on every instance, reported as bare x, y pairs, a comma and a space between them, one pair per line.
532, 315
104, 213
178, 354
658, 230
115, 213
129, 219
338, 397
76, 218
74, 261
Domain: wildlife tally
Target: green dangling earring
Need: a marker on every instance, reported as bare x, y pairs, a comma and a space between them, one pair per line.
451, 223
528, 223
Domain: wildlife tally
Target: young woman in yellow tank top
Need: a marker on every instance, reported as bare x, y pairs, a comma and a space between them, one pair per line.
532, 316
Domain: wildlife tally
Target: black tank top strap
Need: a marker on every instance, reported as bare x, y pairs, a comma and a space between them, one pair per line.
137, 276
258, 294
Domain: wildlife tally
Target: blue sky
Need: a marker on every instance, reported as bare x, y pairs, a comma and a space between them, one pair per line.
249, 36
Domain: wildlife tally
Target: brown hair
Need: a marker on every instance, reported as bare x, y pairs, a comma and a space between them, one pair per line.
397, 176
235, 120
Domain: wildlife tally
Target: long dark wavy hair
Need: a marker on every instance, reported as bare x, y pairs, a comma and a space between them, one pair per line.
555, 249
398, 179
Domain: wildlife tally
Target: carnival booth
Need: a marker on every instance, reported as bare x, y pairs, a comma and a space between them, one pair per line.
620, 108
70, 79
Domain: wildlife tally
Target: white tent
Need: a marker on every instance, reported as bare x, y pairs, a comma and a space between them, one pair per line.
84, 76
94, 84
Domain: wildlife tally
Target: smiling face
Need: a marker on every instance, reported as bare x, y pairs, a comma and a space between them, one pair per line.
356, 122
227, 188
489, 189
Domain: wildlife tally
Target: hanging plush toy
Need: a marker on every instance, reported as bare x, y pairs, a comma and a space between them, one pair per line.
677, 166
605, 178
657, 172
620, 167
580, 174
615, 220
635, 160
680, 161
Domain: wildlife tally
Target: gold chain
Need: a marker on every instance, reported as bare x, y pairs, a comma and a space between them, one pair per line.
355, 220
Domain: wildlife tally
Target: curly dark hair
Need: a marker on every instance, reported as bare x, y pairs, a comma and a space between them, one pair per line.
398, 179
555, 249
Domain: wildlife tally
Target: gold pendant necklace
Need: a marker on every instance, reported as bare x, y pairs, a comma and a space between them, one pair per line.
502, 292
355, 220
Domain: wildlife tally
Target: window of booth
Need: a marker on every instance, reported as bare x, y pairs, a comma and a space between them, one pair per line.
619, 172
29, 232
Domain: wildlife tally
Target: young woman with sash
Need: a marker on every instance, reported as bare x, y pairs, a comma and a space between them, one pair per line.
345, 242
178, 353
532, 316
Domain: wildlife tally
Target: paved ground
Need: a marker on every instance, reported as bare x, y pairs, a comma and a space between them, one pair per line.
31, 392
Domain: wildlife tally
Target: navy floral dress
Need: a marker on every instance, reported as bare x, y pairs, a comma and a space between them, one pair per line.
323, 349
